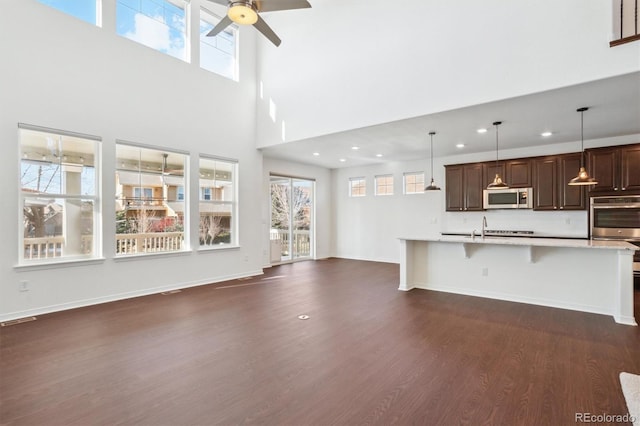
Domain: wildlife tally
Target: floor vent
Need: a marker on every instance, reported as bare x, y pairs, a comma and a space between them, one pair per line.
166, 293
17, 321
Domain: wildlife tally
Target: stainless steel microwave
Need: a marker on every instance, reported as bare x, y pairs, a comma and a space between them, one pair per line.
512, 198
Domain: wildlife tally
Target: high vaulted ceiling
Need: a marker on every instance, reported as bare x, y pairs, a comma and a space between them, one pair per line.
614, 110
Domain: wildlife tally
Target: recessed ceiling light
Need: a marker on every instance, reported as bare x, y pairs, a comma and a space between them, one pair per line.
483, 130
342, 160
460, 145
355, 148
316, 154
546, 134
378, 155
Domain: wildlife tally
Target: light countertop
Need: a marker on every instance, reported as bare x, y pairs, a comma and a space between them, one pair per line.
535, 242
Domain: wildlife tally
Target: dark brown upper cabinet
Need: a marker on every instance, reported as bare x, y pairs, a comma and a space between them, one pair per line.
551, 176
518, 173
616, 169
463, 187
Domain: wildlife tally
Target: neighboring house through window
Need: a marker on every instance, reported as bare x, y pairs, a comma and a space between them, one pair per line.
218, 202
149, 212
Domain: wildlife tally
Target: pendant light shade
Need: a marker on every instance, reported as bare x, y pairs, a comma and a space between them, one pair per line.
432, 186
497, 181
583, 177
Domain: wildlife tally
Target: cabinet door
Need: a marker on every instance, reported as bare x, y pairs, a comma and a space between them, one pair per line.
545, 183
570, 197
454, 188
630, 168
472, 178
489, 171
603, 167
518, 173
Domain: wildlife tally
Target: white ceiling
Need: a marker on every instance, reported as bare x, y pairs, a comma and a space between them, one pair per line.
614, 110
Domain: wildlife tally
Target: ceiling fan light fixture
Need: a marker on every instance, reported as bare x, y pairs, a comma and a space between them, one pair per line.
583, 177
243, 13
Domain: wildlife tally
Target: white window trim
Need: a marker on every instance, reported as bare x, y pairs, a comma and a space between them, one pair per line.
97, 204
376, 193
404, 183
354, 179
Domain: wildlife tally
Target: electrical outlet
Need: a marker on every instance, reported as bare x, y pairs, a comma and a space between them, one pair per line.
568, 221
485, 272
246, 258
23, 285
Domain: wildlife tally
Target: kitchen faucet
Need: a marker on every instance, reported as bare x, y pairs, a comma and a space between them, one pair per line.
484, 225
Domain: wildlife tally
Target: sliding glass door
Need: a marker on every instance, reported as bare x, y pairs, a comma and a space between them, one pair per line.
291, 232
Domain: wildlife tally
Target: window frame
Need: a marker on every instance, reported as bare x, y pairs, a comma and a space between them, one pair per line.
184, 5
234, 227
98, 13
186, 247
95, 198
387, 185
359, 183
405, 183
235, 75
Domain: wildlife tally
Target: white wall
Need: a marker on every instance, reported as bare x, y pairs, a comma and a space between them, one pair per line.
349, 64
322, 202
368, 227
62, 73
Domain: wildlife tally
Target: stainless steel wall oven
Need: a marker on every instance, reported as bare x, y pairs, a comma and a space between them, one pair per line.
617, 218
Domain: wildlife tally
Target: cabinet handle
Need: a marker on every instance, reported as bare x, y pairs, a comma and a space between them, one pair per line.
624, 189
460, 208
615, 189
561, 207
555, 208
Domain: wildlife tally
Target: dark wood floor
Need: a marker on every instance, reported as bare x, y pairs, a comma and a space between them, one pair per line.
235, 353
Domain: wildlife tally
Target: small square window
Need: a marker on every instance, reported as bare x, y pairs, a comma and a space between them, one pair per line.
414, 183
384, 185
357, 187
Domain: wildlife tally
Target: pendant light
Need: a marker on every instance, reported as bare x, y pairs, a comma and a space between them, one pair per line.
497, 181
432, 186
583, 177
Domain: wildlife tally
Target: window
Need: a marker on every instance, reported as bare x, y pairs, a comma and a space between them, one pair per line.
59, 195
218, 54
218, 202
414, 183
159, 24
150, 200
357, 187
87, 10
384, 185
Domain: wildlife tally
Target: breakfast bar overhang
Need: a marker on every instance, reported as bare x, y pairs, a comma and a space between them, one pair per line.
582, 275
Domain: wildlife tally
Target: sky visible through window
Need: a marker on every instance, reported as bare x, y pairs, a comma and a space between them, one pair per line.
81, 9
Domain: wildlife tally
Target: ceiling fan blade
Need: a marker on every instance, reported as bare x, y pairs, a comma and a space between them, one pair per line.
266, 30
224, 23
222, 2
274, 5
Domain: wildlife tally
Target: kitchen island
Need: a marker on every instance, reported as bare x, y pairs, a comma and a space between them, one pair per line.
577, 274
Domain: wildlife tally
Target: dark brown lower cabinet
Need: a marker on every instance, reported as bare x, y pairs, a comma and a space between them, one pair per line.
551, 176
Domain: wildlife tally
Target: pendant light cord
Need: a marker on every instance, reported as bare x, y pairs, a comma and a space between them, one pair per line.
431, 155
582, 138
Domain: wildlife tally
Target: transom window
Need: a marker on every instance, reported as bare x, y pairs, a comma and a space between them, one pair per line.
414, 183
218, 54
357, 187
150, 200
59, 195
87, 10
384, 185
218, 202
159, 24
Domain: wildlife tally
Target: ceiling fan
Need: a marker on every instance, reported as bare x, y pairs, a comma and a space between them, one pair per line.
247, 12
